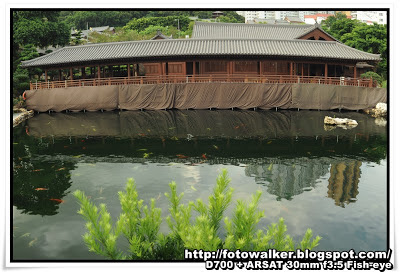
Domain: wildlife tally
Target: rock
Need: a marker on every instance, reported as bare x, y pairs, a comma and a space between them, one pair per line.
339, 121
23, 116
380, 121
380, 110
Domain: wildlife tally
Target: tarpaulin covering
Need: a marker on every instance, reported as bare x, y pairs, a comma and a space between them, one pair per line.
204, 96
327, 97
89, 98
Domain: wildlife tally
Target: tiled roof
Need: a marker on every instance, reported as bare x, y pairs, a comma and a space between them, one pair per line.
141, 50
203, 30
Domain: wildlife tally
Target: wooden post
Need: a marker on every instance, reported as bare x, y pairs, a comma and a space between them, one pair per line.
370, 82
59, 75
98, 72
291, 69
302, 69
194, 71
129, 71
71, 74
45, 75
261, 68
355, 73
83, 72
326, 70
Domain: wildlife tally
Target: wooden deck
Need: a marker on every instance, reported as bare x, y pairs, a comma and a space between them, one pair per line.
204, 79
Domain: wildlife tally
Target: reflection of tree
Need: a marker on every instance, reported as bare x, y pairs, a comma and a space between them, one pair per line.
285, 181
30, 174
343, 182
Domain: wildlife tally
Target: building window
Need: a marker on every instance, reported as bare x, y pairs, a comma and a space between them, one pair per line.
246, 67
269, 68
151, 68
215, 67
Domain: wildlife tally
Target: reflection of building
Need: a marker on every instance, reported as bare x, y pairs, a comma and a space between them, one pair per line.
285, 181
343, 182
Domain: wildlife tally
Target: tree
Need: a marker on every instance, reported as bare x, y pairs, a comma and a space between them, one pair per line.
83, 19
32, 29
143, 23
368, 38
40, 28
372, 39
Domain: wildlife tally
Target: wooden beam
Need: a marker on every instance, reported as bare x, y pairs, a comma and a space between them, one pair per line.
261, 68
98, 72
45, 75
302, 69
129, 71
194, 68
71, 74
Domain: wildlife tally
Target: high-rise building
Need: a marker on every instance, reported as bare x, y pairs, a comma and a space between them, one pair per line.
278, 15
370, 17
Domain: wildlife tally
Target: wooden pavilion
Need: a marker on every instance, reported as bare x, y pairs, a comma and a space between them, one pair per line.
217, 52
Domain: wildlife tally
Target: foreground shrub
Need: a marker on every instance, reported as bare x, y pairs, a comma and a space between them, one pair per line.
140, 225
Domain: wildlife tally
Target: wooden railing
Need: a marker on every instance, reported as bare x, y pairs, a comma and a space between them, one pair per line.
204, 79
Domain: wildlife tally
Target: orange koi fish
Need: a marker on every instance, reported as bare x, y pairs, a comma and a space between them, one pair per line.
141, 134
61, 169
57, 200
41, 189
37, 170
237, 127
181, 156
204, 156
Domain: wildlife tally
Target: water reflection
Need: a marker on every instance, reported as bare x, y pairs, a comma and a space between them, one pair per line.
286, 151
287, 180
199, 123
343, 182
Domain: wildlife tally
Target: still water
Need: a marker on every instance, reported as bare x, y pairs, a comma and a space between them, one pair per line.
332, 180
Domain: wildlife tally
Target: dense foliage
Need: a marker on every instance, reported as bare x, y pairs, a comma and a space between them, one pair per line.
32, 29
140, 225
368, 38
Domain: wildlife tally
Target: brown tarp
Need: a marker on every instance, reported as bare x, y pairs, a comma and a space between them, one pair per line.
89, 98
199, 123
204, 96
327, 97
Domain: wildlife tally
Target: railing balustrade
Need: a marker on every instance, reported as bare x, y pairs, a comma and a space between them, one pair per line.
216, 78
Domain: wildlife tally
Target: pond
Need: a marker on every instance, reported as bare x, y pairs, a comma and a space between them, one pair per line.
331, 180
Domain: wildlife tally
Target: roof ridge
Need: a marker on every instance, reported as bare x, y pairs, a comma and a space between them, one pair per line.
252, 25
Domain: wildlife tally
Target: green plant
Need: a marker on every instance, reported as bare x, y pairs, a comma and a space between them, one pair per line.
375, 77
140, 226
